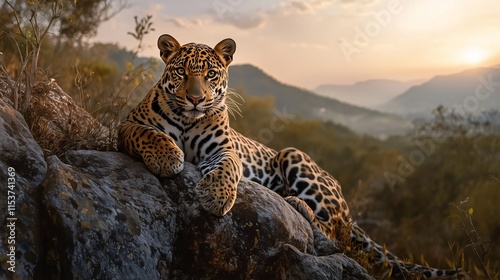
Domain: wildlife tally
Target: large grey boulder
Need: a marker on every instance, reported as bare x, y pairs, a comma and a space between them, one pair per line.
106, 217
22, 169
109, 218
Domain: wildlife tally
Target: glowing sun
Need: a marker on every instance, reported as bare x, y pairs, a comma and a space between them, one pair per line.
474, 56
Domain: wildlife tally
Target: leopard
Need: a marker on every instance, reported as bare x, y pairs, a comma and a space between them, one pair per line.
185, 118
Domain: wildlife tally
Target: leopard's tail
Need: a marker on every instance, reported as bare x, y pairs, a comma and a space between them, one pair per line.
400, 269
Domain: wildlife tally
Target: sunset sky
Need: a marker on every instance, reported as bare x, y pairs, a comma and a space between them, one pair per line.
308, 43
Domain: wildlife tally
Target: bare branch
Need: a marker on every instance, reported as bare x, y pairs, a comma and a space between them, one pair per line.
474, 241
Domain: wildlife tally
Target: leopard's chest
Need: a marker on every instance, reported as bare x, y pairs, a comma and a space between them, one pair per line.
192, 144
203, 141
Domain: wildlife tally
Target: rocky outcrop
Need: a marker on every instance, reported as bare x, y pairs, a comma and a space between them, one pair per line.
22, 169
109, 218
59, 124
103, 215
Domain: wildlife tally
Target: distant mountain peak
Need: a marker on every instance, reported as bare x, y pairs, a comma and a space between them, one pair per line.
367, 93
456, 90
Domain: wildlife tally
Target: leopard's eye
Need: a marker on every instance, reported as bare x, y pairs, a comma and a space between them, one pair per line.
180, 71
211, 74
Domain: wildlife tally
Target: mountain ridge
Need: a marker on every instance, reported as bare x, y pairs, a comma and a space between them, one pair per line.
253, 81
367, 93
471, 90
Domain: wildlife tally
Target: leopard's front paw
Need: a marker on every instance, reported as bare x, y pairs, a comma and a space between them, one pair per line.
216, 193
164, 162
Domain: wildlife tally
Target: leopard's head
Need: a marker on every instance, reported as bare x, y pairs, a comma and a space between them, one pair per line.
195, 79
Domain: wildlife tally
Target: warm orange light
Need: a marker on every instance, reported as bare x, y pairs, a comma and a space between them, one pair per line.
474, 56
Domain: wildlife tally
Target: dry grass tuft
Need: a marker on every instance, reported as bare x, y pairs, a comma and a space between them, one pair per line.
59, 125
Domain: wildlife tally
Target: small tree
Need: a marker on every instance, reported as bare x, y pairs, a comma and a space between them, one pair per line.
25, 25
32, 27
142, 28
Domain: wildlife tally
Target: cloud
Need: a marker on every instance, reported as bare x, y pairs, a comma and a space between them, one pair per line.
245, 16
185, 23
302, 6
304, 45
360, 2
358, 8
155, 8
243, 21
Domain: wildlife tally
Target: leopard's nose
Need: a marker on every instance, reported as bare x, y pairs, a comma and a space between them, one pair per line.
195, 99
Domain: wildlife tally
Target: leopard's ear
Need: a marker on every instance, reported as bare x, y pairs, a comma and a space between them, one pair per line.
225, 49
168, 46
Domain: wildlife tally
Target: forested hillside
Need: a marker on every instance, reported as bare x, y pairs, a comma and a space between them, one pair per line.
417, 192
